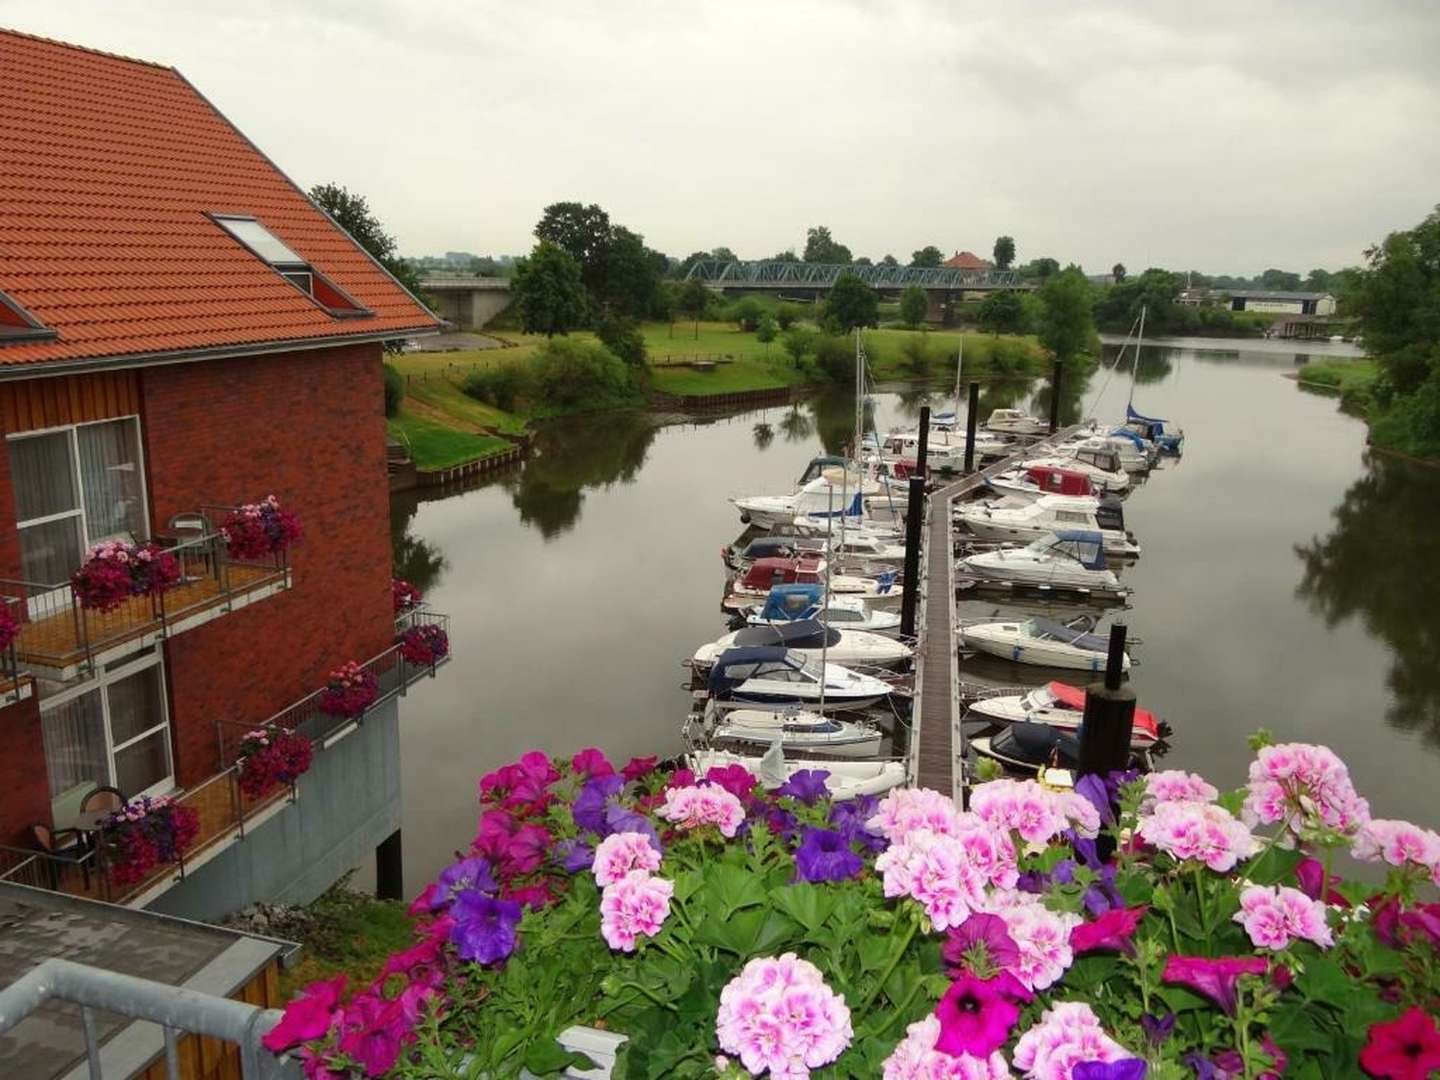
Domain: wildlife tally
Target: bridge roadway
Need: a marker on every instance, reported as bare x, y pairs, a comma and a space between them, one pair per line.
819, 277
937, 745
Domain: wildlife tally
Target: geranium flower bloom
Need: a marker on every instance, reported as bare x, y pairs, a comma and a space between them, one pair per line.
1301, 786
1042, 936
1066, 1035
933, 870
620, 853
592, 762
696, 807
1398, 843
1176, 785
963, 944
638, 767
1198, 831
824, 855
904, 810
307, 1017
976, 1015
807, 785
484, 929
636, 904
1112, 931
1273, 917
1215, 978
1035, 812
1406, 1048
778, 1014
916, 1058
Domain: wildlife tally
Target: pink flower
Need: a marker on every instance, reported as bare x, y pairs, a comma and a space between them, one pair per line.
1036, 813
592, 762
904, 810
307, 1017
1041, 936
1067, 1035
1111, 931
736, 779
696, 807
636, 904
933, 870
976, 1015
620, 853
1273, 917
916, 1058
1302, 787
1397, 843
1199, 831
1310, 874
1176, 785
779, 1015
638, 767
1216, 979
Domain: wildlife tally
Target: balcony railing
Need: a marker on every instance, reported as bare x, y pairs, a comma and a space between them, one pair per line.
60, 639
225, 812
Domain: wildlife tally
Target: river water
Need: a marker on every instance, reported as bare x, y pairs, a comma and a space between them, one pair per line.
1289, 580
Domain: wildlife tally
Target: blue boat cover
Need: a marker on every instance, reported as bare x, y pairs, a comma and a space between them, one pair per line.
734, 666
1088, 543
1081, 639
787, 602
1130, 436
885, 581
1131, 414
801, 634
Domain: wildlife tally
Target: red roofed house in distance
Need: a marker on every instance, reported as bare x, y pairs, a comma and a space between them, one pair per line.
184, 334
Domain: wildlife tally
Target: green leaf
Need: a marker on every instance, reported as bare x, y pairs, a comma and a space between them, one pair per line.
809, 905
734, 887
1324, 980
1276, 866
1297, 1031
687, 884
546, 1056
874, 951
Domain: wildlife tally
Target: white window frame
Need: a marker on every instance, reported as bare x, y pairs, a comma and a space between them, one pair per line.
72, 433
101, 684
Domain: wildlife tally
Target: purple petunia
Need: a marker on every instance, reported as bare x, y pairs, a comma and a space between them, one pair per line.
1157, 1028
824, 855
484, 929
472, 873
620, 820
589, 808
849, 819
1124, 1069
807, 785
573, 855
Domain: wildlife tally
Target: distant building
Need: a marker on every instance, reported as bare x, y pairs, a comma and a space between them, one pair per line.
967, 260
1281, 302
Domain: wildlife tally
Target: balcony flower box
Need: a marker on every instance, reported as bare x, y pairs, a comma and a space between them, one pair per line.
115, 570
9, 628
425, 645
1146, 926
259, 530
349, 691
146, 833
404, 596
270, 756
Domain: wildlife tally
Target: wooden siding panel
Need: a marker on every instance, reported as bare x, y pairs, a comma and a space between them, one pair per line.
68, 399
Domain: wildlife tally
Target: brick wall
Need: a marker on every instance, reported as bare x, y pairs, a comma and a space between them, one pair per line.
24, 788
309, 428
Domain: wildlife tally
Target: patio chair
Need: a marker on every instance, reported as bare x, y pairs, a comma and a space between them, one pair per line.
102, 798
61, 846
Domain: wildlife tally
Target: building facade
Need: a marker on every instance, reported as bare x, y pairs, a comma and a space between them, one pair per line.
183, 331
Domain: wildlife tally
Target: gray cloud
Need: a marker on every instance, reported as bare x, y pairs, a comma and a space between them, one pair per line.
1225, 136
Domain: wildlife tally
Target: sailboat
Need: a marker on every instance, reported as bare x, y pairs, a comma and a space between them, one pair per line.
1170, 441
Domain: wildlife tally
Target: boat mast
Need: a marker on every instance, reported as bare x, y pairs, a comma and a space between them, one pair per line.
1135, 367
959, 361
829, 569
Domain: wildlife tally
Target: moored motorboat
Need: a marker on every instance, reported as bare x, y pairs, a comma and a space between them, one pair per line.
1057, 705
775, 676
1036, 480
809, 638
1067, 559
1015, 422
1100, 464
763, 575
843, 780
1041, 642
818, 498
1132, 457
1023, 520
792, 603
797, 729
1170, 440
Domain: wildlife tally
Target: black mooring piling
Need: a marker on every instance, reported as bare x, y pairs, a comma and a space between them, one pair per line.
972, 416
922, 444
1055, 398
1109, 714
914, 517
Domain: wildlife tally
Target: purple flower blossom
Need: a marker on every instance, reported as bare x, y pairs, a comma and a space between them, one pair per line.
1216, 979
849, 818
807, 785
1124, 1069
824, 855
589, 808
988, 931
1094, 789
573, 855
1157, 1028
619, 820
472, 873
781, 822
484, 929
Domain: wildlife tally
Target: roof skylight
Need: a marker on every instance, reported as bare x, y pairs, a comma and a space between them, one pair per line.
260, 240
273, 251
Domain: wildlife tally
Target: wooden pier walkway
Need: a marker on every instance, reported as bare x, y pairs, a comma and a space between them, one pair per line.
937, 746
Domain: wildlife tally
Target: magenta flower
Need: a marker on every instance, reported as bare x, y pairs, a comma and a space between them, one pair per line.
375, 1031
484, 929
824, 855
1406, 1048
1215, 978
807, 785
592, 762
638, 767
736, 779
307, 1017
1110, 932
987, 932
536, 896
1309, 874
1232, 1062
976, 1015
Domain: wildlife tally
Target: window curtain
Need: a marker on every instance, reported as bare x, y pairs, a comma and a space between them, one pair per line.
110, 478
42, 474
74, 736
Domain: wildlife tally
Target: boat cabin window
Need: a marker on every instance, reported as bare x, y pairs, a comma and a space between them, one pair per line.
739, 671
1088, 551
1076, 516
840, 615
778, 671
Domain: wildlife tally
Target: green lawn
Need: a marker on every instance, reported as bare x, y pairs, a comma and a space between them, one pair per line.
1340, 375
347, 933
435, 446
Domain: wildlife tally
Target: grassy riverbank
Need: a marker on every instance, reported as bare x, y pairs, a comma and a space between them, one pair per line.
1353, 381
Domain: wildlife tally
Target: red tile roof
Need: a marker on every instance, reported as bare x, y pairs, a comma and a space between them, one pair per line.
967, 260
108, 167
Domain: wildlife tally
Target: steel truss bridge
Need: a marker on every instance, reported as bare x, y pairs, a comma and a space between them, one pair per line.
724, 274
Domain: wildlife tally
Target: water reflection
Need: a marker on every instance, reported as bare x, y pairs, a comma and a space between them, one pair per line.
762, 434
1003, 392
1379, 563
1073, 385
796, 425
415, 559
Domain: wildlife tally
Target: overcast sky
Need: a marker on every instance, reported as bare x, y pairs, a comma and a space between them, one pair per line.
1220, 137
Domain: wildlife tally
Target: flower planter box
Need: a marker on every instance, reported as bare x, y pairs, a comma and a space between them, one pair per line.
600, 1046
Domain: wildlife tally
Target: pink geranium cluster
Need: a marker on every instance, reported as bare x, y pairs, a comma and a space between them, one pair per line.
1041, 936
1399, 843
1037, 813
904, 810
272, 755
425, 645
1276, 916
256, 530
779, 1015
114, 571
1176, 785
145, 833
916, 1057
403, 595
1302, 787
697, 806
1199, 831
934, 870
349, 690
1067, 1035
636, 904
620, 853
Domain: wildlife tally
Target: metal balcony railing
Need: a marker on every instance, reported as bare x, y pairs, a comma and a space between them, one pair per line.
60, 639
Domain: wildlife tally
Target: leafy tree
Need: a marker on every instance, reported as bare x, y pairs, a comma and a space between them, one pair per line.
621, 335
1118, 272
394, 390
788, 314
852, 303
1281, 280
1318, 280
1002, 313
914, 305
662, 304
724, 254
1004, 252
820, 247
583, 232
688, 263
788, 255
629, 274
928, 256
352, 213
767, 331
1066, 328
747, 313
889, 260
694, 298
548, 291
798, 342
835, 357
864, 260
915, 353
1397, 297
1155, 290
1039, 269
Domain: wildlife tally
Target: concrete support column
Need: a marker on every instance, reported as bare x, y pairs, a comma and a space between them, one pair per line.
389, 869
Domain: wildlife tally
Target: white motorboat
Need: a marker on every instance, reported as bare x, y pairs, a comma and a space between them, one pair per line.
846, 779
1068, 560
1032, 482
1057, 705
765, 574
1024, 520
1016, 422
1132, 458
817, 499
790, 603
943, 448
774, 676
886, 528
869, 547
1101, 465
796, 728
1041, 642
809, 638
